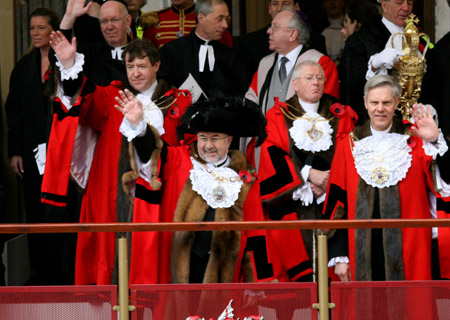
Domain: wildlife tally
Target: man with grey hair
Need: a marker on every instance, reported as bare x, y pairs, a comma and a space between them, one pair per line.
287, 37
379, 172
255, 45
295, 162
102, 59
214, 66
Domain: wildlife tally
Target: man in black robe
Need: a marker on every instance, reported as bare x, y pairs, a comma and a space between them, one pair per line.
437, 81
214, 66
103, 58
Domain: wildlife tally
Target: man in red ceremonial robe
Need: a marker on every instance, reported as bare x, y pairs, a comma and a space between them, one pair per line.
295, 161
378, 171
203, 180
386, 169
86, 144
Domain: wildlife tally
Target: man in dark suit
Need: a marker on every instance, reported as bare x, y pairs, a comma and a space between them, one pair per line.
437, 81
255, 45
366, 42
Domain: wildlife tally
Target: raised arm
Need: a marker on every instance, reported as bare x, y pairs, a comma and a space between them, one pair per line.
74, 9
425, 127
64, 50
130, 107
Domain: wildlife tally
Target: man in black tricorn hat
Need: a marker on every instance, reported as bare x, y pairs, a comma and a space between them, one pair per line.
202, 180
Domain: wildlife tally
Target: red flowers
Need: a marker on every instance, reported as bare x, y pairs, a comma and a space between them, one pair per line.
174, 111
188, 139
245, 176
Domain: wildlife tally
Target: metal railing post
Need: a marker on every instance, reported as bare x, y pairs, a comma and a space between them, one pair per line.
124, 308
323, 304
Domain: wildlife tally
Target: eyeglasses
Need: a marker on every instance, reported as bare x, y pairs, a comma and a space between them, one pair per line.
114, 21
213, 140
311, 78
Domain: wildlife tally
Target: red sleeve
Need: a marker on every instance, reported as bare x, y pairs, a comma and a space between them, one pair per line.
331, 75
97, 106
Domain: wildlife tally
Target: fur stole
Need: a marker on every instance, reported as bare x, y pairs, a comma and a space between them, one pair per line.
128, 172
389, 207
225, 245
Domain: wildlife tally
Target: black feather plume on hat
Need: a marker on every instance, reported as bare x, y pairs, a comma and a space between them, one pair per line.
230, 115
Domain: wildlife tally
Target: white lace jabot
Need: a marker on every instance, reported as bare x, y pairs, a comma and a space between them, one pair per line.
312, 132
382, 160
218, 186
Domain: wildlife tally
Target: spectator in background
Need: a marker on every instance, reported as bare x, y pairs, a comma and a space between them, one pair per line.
358, 14
213, 65
87, 28
288, 37
333, 36
255, 45
28, 115
102, 59
172, 23
369, 40
436, 82
134, 8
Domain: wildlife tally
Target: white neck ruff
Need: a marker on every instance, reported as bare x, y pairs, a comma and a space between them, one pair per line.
218, 186
312, 132
382, 160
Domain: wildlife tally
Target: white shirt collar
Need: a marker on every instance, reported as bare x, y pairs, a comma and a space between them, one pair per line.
311, 107
149, 92
116, 53
337, 22
393, 28
292, 56
223, 163
377, 133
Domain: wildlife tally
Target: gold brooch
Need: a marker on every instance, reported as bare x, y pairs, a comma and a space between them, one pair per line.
379, 175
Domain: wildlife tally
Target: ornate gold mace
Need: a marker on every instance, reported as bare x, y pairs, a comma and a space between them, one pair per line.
410, 68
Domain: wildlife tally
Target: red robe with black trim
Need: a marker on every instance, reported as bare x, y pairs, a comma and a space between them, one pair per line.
92, 114
279, 170
150, 260
414, 251
414, 204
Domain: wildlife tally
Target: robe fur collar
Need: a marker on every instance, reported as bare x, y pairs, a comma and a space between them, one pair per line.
225, 245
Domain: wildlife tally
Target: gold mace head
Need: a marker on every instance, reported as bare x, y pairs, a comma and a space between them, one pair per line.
410, 68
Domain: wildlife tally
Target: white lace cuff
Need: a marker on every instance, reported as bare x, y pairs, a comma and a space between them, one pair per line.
370, 73
304, 194
130, 131
434, 149
72, 73
336, 260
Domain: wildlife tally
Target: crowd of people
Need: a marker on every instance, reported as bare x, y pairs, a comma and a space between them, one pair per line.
139, 117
